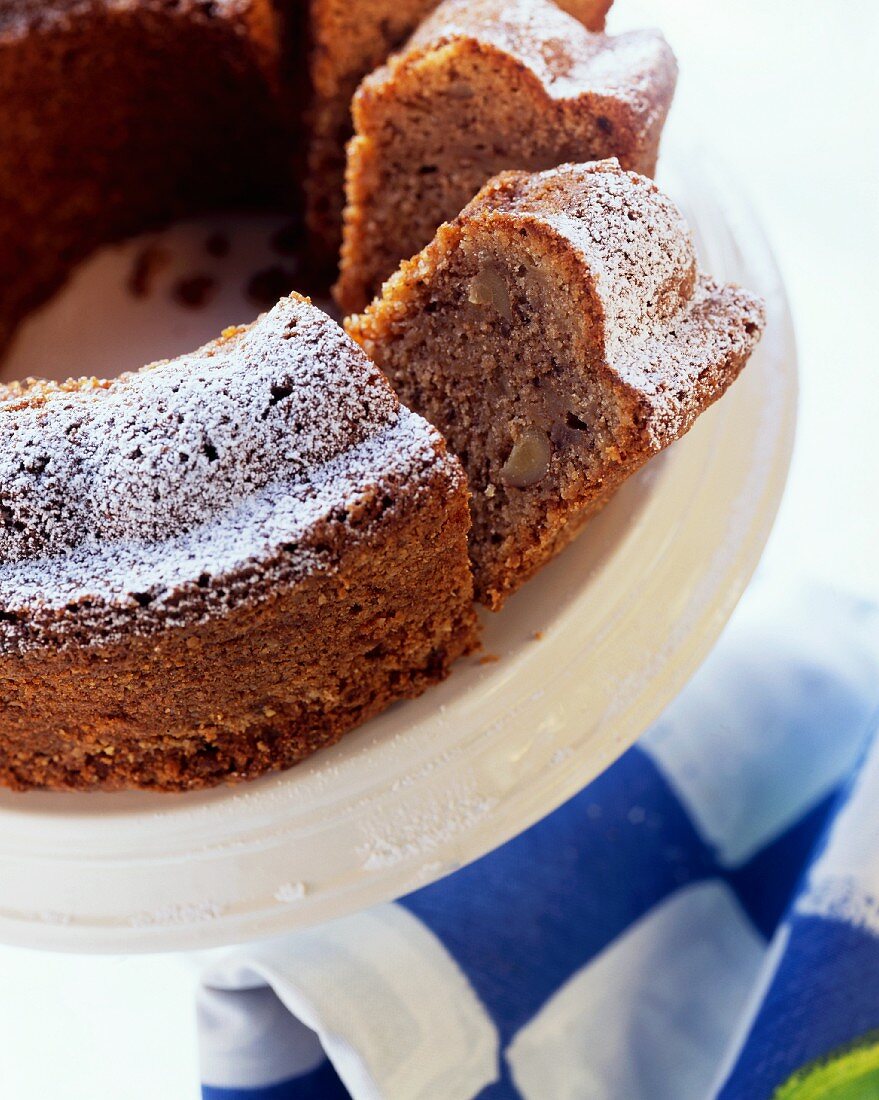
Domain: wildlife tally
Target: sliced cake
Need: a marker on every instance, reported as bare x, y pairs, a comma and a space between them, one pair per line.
215, 566
119, 115
486, 85
559, 333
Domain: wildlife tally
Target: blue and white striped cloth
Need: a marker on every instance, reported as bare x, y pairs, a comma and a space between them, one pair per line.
701, 922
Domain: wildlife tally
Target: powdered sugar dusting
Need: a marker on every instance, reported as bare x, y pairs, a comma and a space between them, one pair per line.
390, 838
290, 892
568, 60
193, 483
199, 912
638, 246
665, 325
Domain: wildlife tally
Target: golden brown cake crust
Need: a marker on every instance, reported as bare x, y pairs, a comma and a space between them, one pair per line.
212, 567
578, 339
482, 86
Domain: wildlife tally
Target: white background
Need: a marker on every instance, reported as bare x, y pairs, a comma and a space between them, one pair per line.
787, 91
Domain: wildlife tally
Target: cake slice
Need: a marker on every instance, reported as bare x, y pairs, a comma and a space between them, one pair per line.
215, 566
559, 334
486, 85
348, 41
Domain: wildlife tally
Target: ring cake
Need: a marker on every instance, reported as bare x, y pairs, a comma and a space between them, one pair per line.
216, 565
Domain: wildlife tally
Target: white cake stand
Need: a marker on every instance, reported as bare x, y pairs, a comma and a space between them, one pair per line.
588, 655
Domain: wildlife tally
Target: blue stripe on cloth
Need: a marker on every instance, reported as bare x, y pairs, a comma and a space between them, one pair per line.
822, 998
526, 917
766, 884
320, 1084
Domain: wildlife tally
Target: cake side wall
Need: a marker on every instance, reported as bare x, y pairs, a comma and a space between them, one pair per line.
267, 684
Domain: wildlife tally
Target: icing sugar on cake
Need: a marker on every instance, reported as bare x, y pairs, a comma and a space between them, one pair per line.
216, 565
153, 453
115, 493
564, 58
662, 319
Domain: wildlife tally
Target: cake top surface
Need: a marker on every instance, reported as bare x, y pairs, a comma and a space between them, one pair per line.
637, 244
661, 318
566, 59
153, 454
117, 493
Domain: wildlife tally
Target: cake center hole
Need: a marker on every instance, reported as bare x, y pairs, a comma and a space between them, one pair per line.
160, 295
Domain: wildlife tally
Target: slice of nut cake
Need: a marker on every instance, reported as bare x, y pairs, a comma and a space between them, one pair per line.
559, 333
483, 86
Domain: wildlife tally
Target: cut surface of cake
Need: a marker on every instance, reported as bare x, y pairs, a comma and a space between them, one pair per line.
482, 86
216, 565
559, 334
348, 41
